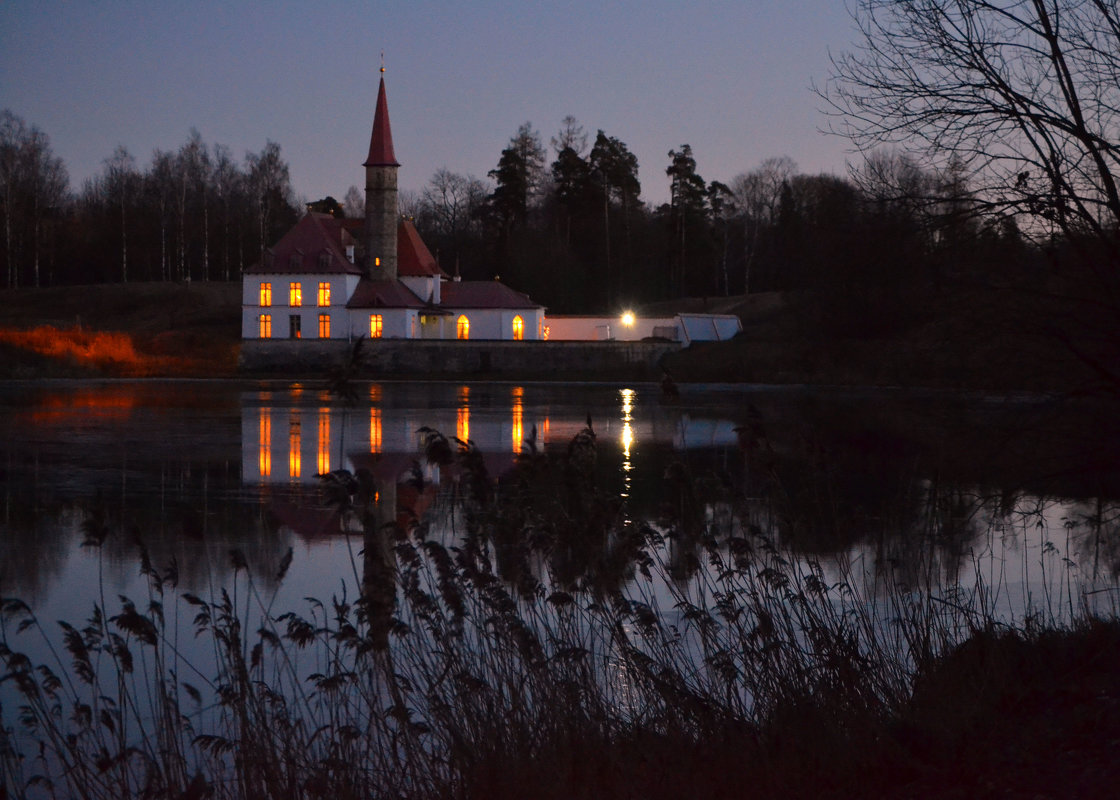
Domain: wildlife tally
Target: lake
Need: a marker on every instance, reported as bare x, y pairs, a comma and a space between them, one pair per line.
592, 538
196, 469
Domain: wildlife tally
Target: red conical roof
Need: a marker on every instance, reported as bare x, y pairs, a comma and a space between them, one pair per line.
381, 142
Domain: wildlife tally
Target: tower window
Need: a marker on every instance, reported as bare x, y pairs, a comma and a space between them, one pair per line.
518, 328
295, 295
324, 293
266, 294
375, 323
463, 327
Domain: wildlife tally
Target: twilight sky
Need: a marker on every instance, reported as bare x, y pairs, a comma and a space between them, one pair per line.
730, 78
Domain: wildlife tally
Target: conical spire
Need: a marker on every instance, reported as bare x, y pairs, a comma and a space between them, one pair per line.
381, 142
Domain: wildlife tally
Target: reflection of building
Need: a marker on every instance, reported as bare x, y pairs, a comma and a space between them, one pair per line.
331, 278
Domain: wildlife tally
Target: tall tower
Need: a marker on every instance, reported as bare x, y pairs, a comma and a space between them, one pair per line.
381, 195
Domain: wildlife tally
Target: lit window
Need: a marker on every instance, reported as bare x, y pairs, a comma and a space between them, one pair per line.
266, 326
518, 328
295, 295
463, 327
324, 294
266, 294
294, 327
375, 322
324, 326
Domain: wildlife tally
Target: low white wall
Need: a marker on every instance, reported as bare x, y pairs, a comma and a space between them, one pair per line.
593, 329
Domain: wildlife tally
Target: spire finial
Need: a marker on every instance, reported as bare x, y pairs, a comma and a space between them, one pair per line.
382, 62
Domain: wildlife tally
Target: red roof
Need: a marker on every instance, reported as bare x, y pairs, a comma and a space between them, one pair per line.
414, 260
381, 140
384, 294
482, 294
314, 245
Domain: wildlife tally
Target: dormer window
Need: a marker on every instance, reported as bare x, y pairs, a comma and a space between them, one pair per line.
324, 260
350, 253
295, 261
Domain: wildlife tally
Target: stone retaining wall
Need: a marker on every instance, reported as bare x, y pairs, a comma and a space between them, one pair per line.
478, 359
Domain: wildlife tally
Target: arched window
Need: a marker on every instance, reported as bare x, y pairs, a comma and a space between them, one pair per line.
518, 328
463, 327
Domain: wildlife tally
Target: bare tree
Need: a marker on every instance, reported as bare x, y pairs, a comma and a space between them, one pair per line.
756, 195
1022, 93
121, 184
354, 203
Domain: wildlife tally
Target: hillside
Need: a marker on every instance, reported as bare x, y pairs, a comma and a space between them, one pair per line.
135, 329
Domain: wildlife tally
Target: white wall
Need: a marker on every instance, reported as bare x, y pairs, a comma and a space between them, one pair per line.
589, 329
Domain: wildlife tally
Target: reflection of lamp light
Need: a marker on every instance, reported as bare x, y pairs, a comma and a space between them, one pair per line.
628, 319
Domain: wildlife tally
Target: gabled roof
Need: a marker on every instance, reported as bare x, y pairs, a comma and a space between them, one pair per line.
384, 294
482, 294
314, 246
381, 140
414, 260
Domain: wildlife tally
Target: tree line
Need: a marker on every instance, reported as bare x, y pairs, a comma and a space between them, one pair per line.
195, 213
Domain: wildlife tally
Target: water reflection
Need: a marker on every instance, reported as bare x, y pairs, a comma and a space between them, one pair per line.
908, 497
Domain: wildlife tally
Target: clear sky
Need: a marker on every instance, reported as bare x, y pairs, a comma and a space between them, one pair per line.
730, 78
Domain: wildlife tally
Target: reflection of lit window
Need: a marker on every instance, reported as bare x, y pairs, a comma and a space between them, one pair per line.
324, 293
324, 326
266, 444
375, 430
293, 448
518, 328
375, 392
295, 295
266, 294
324, 450
463, 327
266, 326
463, 423
375, 323
463, 416
518, 434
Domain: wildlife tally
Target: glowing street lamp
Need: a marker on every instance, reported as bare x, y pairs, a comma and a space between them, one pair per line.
628, 319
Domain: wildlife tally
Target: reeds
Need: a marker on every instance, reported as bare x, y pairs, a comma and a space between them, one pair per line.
555, 648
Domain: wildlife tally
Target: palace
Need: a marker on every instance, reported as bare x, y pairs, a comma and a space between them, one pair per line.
331, 278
